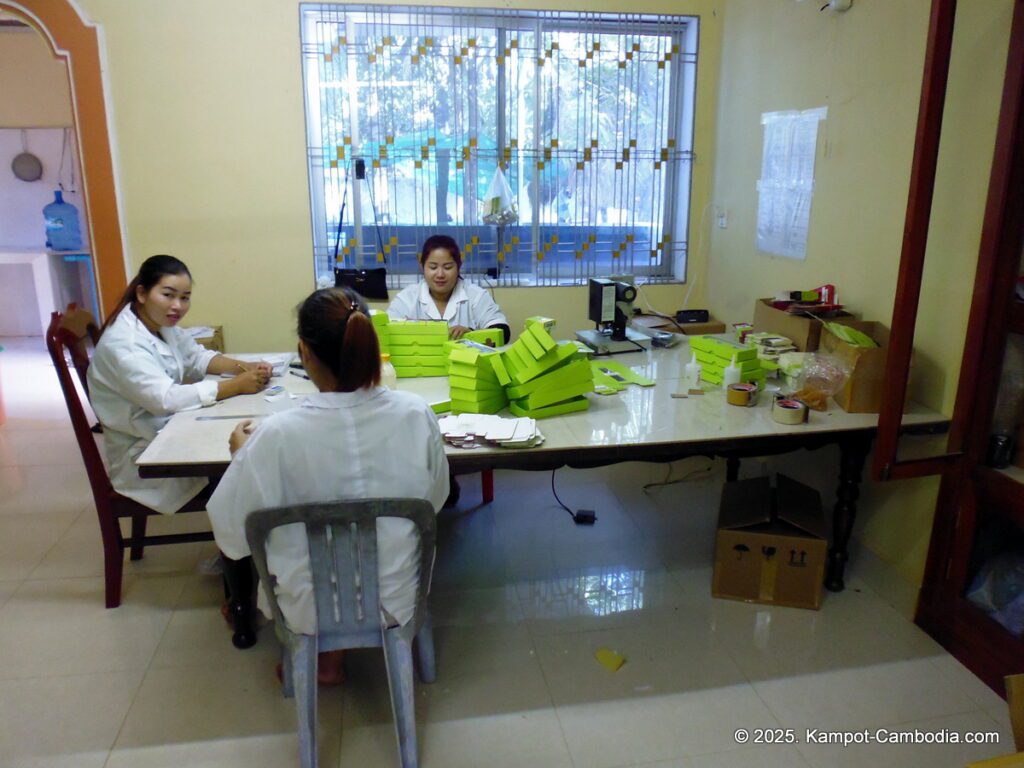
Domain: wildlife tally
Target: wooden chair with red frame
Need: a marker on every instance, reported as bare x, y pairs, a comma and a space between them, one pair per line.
67, 336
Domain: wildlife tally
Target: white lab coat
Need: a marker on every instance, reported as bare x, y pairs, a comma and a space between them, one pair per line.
470, 306
136, 383
335, 445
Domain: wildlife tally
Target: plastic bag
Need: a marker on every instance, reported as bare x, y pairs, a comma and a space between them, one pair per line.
499, 207
999, 582
821, 377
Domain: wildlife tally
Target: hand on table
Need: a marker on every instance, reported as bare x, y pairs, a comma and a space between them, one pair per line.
239, 435
251, 382
260, 366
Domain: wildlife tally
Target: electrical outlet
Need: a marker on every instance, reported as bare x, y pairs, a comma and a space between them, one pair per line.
722, 217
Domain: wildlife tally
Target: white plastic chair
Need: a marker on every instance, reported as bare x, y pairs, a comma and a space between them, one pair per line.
342, 539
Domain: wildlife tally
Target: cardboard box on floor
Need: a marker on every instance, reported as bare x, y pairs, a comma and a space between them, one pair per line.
771, 545
803, 331
1015, 701
862, 392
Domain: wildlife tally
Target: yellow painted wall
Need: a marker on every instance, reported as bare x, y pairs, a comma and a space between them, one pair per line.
865, 66
34, 91
210, 149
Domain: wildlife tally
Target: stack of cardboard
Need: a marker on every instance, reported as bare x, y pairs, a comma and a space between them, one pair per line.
476, 379
769, 347
716, 353
548, 378
469, 430
417, 347
380, 319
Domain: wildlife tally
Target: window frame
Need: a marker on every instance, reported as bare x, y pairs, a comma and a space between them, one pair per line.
675, 187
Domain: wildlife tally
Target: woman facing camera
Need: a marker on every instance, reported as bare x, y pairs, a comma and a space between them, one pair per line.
444, 295
145, 369
353, 439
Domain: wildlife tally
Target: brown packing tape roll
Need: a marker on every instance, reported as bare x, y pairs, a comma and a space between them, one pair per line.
786, 411
741, 394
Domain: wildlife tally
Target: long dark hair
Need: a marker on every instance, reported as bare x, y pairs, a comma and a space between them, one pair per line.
335, 325
153, 269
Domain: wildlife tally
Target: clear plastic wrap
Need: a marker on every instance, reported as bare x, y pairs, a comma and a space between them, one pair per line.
819, 379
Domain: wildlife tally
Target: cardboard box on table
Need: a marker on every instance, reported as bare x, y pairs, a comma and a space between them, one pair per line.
862, 392
804, 331
380, 320
214, 341
772, 544
473, 384
716, 353
547, 378
417, 347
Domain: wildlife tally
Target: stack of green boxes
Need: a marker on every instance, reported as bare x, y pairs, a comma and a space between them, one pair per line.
716, 353
417, 347
379, 318
548, 378
476, 379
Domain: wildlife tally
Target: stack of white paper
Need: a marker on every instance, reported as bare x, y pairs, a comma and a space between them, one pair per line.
469, 430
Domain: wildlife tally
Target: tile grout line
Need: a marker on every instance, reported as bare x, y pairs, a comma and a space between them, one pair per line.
145, 673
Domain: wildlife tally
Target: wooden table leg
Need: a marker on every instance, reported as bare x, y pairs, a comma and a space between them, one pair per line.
853, 452
487, 485
238, 575
732, 469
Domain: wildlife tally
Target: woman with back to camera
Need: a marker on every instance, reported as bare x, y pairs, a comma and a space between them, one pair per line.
444, 295
353, 439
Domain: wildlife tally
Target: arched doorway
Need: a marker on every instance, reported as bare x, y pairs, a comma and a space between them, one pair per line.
74, 40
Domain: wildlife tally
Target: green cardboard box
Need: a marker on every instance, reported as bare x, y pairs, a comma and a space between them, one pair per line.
543, 338
552, 395
412, 372
531, 346
437, 328
477, 385
544, 322
475, 372
404, 359
564, 351
572, 372
580, 403
473, 406
492, 337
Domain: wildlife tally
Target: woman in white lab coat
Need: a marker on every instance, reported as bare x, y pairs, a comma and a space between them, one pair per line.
444, 295
353, 439
145, 369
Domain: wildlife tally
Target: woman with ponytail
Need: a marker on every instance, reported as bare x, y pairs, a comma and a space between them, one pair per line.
353, 439
145, 369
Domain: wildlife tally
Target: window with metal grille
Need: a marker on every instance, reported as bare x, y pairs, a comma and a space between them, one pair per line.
411, 110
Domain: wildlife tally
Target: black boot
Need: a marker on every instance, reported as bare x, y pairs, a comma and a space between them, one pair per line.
238, 577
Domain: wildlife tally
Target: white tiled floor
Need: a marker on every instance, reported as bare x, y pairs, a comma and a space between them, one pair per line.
522, 600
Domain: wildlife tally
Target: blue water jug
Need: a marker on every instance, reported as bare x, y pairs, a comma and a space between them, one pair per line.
62, 230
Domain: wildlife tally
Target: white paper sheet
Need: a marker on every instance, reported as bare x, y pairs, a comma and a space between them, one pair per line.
787, 181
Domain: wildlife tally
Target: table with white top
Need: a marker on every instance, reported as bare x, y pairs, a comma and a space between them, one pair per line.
637, 424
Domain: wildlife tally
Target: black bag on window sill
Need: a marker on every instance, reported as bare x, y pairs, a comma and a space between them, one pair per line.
368, 283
